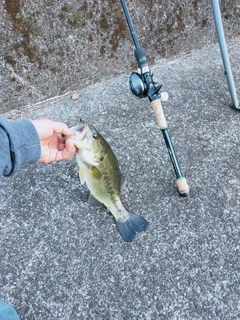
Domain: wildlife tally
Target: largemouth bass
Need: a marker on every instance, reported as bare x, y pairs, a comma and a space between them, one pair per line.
98, 167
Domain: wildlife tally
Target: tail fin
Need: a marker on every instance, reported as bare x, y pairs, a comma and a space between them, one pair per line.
130, 225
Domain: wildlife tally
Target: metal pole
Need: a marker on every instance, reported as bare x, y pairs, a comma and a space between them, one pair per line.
224, 52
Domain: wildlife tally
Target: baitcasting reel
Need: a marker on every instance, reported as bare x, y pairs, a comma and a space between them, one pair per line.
140, 85
137, 85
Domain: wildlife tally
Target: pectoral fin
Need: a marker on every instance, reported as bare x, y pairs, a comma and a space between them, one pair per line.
95, 173
81, 175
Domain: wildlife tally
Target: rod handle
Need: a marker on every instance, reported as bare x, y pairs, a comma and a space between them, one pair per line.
182, 185
158, 110
183, 188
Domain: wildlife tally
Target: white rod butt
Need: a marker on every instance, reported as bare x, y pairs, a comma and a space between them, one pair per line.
183, 188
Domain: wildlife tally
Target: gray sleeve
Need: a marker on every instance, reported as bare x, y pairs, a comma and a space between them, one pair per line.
19, 145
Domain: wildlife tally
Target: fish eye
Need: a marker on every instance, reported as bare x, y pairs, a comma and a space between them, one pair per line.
94, 136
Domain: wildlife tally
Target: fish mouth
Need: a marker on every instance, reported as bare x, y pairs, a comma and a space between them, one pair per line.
80, 130
82, 137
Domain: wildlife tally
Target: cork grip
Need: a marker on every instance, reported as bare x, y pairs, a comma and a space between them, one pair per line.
157, 107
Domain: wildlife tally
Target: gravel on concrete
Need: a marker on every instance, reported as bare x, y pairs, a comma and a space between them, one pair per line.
62, 259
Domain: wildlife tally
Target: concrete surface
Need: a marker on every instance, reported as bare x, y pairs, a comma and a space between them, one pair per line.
50, 47
61, 259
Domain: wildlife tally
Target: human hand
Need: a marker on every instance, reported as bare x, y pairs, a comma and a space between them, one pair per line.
53, 146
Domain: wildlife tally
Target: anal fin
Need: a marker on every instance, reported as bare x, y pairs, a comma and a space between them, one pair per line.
122, 180
94, 202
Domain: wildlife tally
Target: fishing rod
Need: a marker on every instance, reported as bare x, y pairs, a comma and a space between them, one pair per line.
142, 85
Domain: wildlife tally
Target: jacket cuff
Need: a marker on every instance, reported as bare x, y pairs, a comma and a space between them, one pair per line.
25, 144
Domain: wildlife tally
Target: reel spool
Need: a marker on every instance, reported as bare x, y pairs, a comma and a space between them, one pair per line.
137, 85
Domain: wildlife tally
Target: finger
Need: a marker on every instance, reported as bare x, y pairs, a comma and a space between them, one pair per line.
67, 153
61, 142
70, 149
61, 139
61, 128
61, 146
